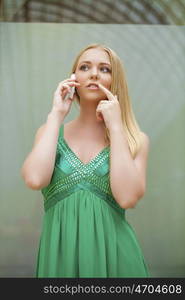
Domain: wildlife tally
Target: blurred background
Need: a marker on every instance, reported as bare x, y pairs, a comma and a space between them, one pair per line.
39, 41
166, 12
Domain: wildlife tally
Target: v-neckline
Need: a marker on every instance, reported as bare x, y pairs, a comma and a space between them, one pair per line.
75, 155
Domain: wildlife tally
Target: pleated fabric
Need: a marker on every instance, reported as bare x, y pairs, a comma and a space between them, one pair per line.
84, 231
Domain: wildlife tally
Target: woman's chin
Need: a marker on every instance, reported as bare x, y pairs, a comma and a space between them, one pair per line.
91, 97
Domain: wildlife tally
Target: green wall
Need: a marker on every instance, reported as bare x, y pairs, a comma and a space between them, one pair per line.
34, 58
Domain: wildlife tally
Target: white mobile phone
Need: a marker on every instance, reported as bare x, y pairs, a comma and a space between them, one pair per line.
72, 89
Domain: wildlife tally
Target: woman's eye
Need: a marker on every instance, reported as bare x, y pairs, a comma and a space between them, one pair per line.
84, 67
105, 69
102, 69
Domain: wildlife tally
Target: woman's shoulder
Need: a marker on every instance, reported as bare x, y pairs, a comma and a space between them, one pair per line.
39, 133
145, 141
144, 136
70, 127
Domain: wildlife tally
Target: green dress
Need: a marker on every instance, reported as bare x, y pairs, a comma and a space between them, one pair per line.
84, 231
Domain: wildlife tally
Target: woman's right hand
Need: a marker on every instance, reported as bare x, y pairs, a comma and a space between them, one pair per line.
61, 106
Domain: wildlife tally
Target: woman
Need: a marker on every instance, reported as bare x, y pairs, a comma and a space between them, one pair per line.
90, 171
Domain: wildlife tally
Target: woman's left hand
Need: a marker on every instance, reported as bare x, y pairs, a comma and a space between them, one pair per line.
109, 109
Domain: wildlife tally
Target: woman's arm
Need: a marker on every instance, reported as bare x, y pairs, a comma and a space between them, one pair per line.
38, 167
127, 175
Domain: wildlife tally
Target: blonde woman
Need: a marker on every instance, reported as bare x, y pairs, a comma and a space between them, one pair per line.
90, 170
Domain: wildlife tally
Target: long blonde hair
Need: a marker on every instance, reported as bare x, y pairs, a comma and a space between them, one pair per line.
119, 87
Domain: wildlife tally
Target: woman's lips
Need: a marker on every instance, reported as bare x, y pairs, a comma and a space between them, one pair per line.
92, 87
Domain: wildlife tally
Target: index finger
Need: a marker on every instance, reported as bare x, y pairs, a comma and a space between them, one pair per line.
106, 91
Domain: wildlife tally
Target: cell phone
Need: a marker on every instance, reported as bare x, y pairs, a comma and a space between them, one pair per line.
72, 89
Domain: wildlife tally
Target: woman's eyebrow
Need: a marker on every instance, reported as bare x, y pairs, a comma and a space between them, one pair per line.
89, 62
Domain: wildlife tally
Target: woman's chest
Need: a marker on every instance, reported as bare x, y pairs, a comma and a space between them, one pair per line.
69, 162
86, 149
86, 145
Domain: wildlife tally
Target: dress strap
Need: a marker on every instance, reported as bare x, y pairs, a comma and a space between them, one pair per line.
61, 132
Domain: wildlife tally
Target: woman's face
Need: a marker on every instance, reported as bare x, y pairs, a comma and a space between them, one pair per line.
93, 67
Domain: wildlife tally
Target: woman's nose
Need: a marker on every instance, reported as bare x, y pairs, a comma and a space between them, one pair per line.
94, 73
